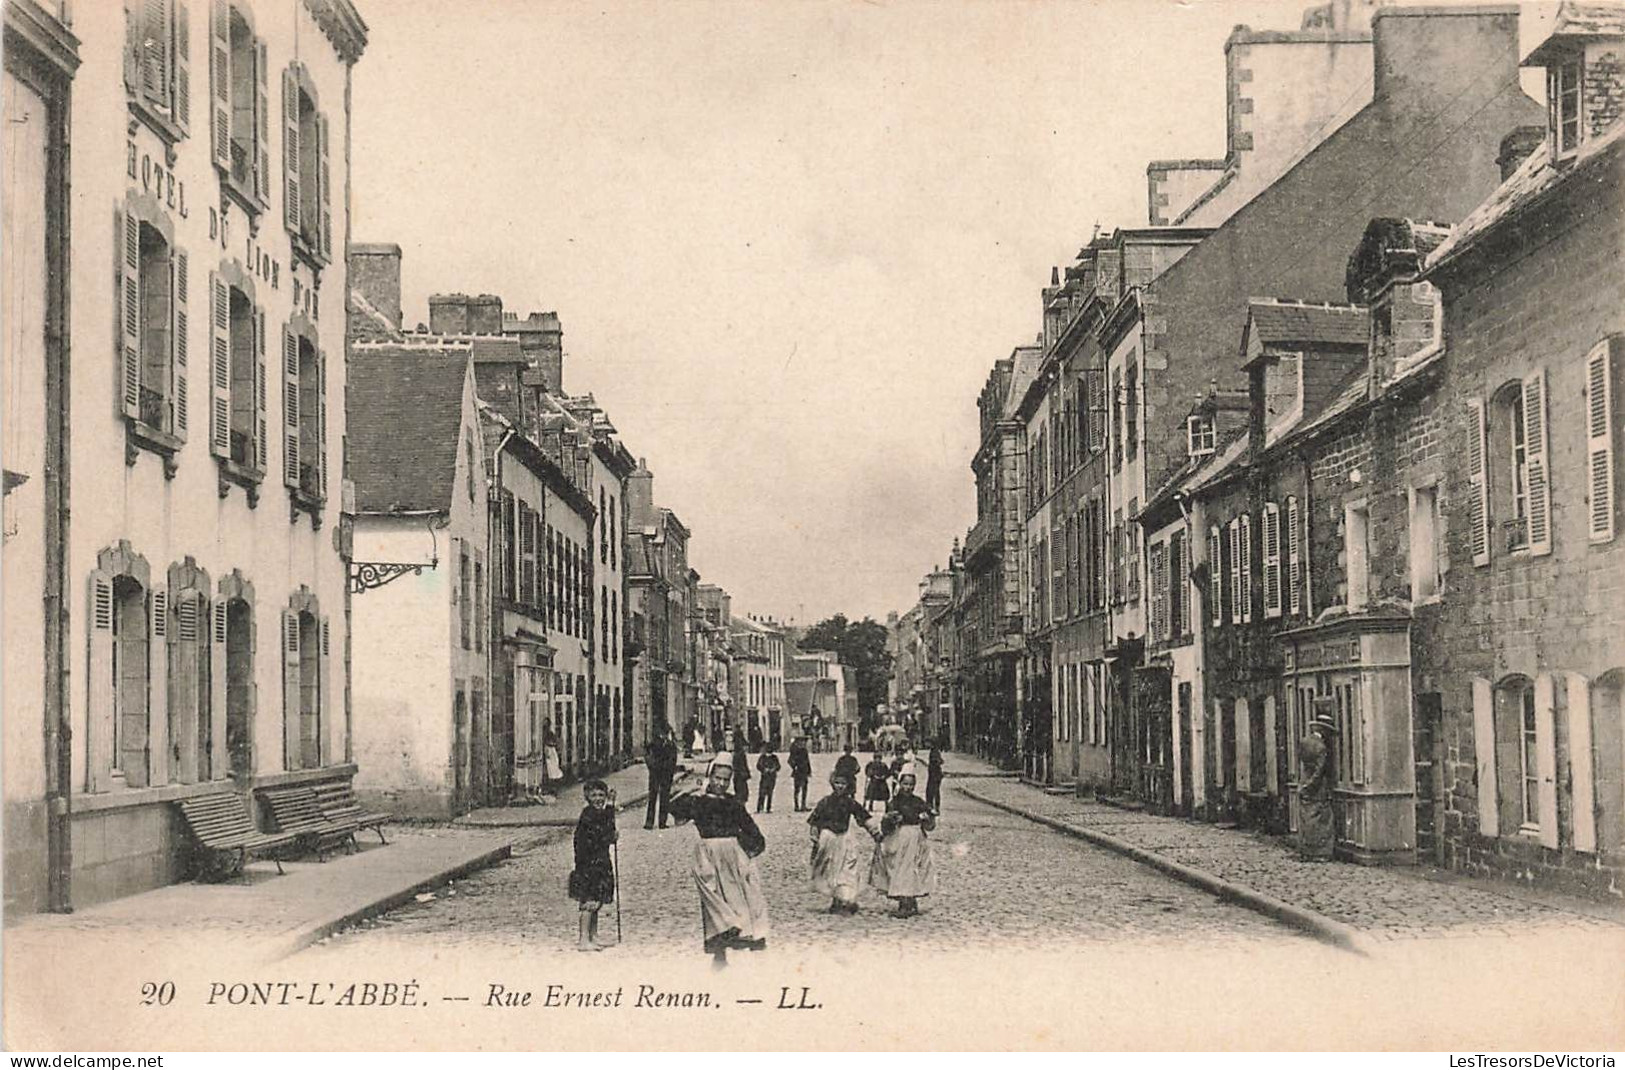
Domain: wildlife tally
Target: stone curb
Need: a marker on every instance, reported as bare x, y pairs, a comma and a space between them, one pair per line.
1305, 920
303, 937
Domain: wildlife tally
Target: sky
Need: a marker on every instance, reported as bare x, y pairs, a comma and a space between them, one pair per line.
786, 241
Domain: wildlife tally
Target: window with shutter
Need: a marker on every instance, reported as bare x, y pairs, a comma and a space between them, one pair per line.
1294, 572
1215, 572
1246, 588
1600, 432
325, 188
128, 306
290, 408
291, 705
1536, 463
183, 68
1236, 595
220, 83
1272, 560
1478, 492
219, 367
290, 151
262, 125
157, 62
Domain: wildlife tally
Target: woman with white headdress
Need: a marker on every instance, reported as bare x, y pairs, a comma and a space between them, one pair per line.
732, 906
902, 868
836, 856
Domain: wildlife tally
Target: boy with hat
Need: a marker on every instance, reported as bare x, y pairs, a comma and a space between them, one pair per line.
732, 906
1316, 777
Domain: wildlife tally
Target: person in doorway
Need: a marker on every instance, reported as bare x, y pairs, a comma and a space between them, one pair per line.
902, 869
733, 909
768, 766
741, 764
1317, 774
800, 772
933, 778
876, 791
847, 765
662, 763
552, 770
835, 850
592, 881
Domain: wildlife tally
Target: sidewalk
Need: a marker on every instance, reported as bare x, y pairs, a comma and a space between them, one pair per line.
1341, 903
263, 916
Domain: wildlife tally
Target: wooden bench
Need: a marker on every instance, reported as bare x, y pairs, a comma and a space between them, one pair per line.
337, 801
295, 809
220, 824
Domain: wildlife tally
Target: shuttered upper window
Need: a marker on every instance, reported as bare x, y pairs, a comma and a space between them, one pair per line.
158, 64
239, 105
238, 429
152, 333
1602, 495
307, 203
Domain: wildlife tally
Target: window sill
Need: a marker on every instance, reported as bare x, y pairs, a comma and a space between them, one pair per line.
301, 500
245, 476
140, 436
126, 798
251, 205
168, 131
304, 251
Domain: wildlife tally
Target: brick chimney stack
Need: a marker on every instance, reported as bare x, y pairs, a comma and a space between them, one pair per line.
375, 274
640, 497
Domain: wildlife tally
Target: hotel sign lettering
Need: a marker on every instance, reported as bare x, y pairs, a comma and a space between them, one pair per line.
1330, 654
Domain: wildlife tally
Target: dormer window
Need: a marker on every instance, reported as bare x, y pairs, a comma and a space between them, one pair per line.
1563, 97
1200, 435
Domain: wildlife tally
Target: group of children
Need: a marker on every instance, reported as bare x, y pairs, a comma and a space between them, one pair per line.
733, 908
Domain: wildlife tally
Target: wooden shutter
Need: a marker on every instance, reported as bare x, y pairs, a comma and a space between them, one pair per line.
1294, 560
183, 68
1600, 441
262, 428
179, 338
218, 766
219, 366
290, 151
1581, 776
1489, 821
290, 689
1215, 572
158, 680
128, 282
155, 41
1246, 590
1546, 758
321, 425
1272, 560
262, 125
1159, 591
100, 692
133, 35
325, 187
1272, 775
1478, 500
188, 647
1537, 463
324, 683
220, 83
1235, 571
290, 407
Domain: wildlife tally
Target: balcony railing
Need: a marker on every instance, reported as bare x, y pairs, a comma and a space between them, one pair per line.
240, 448
310, 480
987, 533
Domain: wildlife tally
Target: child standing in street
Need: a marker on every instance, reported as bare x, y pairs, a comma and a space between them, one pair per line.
592, 882
835, 856
768, 766
902, 869
876, 792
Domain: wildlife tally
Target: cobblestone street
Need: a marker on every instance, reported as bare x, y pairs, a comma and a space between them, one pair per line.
1003, 882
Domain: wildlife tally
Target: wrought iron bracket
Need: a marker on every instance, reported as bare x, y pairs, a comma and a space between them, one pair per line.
370, 575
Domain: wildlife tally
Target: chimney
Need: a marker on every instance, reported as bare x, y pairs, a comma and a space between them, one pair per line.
640, 497
1427, 57
375, 273
1516, 147
541, 339
449, 314
485, 314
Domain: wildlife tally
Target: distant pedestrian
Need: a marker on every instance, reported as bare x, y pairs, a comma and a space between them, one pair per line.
902, 869
741, 764
662, 763
847, 765
877, 771
552, 770
1316, 778
836, 857
733, 909
768, 766
800, 772
933, 777
592, 881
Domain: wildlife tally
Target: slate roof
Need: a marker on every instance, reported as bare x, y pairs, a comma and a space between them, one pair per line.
1291, 322
405, 422
1531, 182
1578, 20
1026, 361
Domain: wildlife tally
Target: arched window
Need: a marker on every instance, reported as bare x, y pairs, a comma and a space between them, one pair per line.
305, 688
151, 284
123, 621
190, 690
1525, 758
